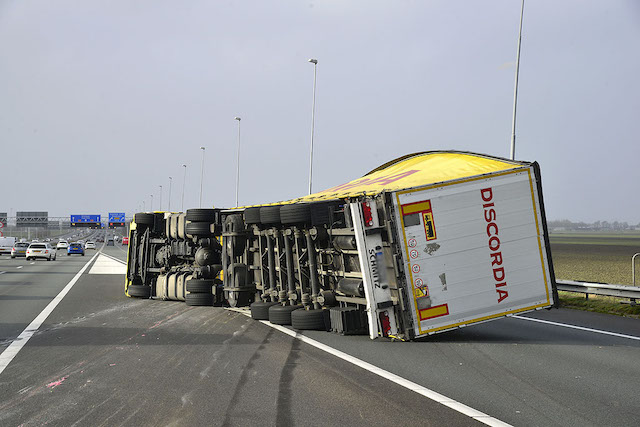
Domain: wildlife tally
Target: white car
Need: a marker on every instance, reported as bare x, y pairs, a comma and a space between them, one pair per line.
89, 245
41, 250
62, 244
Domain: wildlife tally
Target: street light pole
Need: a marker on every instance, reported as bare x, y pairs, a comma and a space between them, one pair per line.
184, 180
160, 197
313, 120
515, 89
170, 181
151, 206
238, 162
201, 175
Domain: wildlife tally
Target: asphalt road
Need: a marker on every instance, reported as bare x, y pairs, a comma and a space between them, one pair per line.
103, 359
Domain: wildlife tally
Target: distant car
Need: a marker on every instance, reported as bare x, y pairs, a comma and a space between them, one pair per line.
125, 240
6, 244
110, 241
62, 244
19, 250
75, 248
40, 250
89, 245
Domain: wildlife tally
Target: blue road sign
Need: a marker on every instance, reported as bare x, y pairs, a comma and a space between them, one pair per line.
116, 216
85, 218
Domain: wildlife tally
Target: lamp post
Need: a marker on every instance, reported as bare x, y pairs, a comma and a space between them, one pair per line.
201, 175
313, 119
238, 161
515, 89
170, 181
184, 180
151, 205
160, 197
144, 206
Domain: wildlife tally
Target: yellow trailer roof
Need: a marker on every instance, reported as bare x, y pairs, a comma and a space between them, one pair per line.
417, 170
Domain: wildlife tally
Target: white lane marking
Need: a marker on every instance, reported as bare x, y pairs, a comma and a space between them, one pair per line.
106, 265
2, 272
31, 263
12, 351
402, 382
115, 259
564, 325
19, 266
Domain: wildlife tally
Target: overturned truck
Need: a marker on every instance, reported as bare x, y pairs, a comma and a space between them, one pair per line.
426, 243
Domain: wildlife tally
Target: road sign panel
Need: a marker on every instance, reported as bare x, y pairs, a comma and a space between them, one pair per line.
116, 217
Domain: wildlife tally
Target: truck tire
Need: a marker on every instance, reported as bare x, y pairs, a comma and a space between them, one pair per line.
143, 219
270, 215
252, 215
296, 214
239, 299
198, 228
199, 286
321, 212
260, 310
308, 319
199, 299
202, 215
139, 291
281, 314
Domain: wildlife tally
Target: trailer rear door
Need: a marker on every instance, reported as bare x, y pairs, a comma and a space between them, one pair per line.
474, 250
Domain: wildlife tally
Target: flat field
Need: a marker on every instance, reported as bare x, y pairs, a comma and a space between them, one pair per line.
595, 257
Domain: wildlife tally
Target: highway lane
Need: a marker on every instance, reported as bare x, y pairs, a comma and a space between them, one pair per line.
522, 372
103, 358
26, 287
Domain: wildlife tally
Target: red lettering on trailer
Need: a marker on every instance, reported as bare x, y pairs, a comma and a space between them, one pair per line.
490, 216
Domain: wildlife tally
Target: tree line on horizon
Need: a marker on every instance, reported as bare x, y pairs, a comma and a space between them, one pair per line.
597, 225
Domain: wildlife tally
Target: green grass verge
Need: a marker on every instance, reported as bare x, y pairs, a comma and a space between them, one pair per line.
596, 257
598, 304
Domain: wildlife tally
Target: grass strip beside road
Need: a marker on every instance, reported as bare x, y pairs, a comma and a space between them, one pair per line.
599, 304
600, 258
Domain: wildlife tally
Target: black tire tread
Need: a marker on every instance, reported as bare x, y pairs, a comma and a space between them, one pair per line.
199, 286
198, 229
199, 299
144, 218
139, 291
202, 215
296, 213
308, 320
270, 214
260, 310
252, 215
281, 314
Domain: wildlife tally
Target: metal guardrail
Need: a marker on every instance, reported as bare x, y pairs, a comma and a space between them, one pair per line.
620, 291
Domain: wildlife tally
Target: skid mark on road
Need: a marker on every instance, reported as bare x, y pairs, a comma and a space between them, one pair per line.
244, 377
410, 385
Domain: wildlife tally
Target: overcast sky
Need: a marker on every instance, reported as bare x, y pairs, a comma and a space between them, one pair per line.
102, 101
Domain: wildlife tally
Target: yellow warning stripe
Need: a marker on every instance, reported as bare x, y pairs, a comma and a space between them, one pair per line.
438, 310
416, 207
